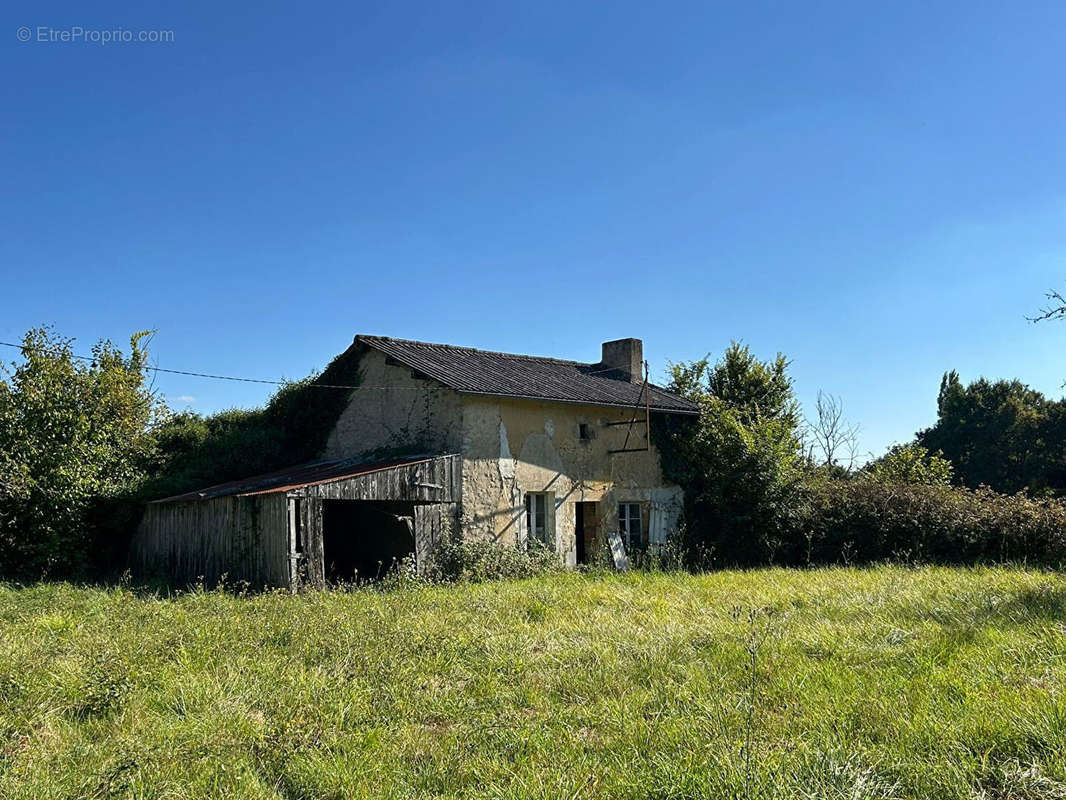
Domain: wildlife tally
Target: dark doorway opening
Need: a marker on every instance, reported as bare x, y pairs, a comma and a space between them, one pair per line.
362, 540
586, 532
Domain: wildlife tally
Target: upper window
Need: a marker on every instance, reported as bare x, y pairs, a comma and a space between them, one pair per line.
584, 432
630, 526
537, 518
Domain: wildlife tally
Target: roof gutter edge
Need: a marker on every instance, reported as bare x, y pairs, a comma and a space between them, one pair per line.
659, 409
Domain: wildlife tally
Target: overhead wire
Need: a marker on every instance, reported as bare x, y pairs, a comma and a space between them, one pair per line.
257, 380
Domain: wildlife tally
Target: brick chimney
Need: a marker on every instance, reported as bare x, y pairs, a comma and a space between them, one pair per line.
626, 355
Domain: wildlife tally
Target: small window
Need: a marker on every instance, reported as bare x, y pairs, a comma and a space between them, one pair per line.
629, 525
537, 516
584, 432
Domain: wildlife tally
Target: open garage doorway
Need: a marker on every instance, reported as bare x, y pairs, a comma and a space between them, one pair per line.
363, 539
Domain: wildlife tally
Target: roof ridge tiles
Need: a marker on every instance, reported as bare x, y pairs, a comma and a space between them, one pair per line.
478, 350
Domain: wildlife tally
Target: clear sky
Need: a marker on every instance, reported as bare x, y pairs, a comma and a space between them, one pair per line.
876, 190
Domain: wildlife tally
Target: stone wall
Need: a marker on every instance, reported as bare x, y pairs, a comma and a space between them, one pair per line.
411, 413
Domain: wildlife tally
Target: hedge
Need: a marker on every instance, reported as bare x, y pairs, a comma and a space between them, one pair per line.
862, 520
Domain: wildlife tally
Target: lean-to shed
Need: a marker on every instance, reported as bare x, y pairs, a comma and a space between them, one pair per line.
296, 526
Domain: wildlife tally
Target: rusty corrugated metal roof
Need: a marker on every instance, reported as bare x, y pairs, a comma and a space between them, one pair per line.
297, 477
484, 372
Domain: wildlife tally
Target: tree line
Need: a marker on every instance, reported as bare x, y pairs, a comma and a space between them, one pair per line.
763, 485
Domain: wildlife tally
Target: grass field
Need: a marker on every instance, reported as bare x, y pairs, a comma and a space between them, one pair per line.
856, 684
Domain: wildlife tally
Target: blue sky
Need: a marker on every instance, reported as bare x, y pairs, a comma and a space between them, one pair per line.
876, 192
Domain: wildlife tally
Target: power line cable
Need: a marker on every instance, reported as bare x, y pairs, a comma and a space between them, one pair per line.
204, 374
260, 380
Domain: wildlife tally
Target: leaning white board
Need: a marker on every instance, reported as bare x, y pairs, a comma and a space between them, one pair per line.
618, 551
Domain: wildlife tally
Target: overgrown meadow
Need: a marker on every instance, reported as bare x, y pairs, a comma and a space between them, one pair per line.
835, 683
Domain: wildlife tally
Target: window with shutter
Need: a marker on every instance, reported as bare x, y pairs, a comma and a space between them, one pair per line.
538, 521
630, 525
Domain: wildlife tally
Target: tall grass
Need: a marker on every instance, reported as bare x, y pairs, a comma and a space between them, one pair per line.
836, 683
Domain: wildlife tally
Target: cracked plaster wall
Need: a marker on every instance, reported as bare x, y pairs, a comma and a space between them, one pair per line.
511, 447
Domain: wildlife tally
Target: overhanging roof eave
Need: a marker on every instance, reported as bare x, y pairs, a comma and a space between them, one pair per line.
568, 401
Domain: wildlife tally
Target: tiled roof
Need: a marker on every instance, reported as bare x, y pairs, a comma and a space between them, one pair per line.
296, 477
484, 372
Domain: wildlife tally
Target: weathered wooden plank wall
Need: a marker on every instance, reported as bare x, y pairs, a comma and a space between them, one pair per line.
433, 523
269, 539
436, 481
241, 538
309, 513
251, 537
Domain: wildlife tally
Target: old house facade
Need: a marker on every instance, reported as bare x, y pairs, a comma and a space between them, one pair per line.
438, 440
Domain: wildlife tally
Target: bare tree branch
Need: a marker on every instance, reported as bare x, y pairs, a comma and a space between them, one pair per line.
831, 435
1056, 308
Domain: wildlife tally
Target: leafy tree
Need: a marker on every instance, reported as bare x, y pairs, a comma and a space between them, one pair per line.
912, 464
741, 462
1000, 434
752, 388
72, 433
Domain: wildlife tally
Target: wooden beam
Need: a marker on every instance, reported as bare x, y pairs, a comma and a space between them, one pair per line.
310, 511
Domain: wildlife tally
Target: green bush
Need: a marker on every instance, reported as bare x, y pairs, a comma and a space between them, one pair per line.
193, 451
73, 438
911, 463
476, 561
867, 520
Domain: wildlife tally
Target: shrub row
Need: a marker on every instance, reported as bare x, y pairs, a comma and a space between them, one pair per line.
863, 520
840, 521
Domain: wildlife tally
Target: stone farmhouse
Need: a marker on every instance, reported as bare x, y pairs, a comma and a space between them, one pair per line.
437, 441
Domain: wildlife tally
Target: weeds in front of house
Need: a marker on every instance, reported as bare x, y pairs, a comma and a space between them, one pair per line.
476, 561
834, 683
